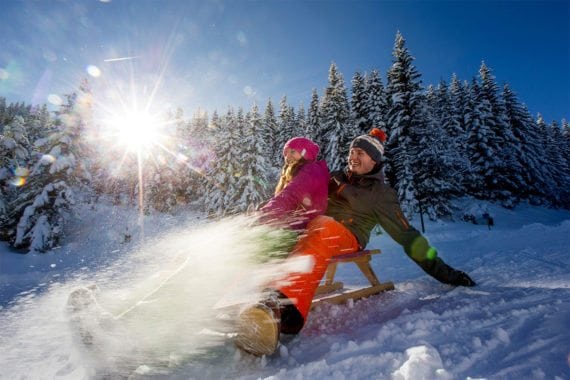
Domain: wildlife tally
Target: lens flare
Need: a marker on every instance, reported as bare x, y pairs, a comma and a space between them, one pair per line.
54, 99
17, 181
94, 71
20, 176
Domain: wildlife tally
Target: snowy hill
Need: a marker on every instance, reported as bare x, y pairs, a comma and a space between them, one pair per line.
514, 325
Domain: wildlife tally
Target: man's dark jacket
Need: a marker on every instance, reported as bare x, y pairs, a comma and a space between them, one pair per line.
360, 202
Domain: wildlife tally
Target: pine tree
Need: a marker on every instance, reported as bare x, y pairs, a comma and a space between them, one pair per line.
376, 101
436, 168
554, 150
456, 127
300, 122
530, 156
49, 198
565, 196
269, 133
40, 123
314, 130
15, 144
251, 188
481, 149
14, 173
449, 118
506, 178
405, 114
221, 176
335, 120
543, 138
286, 123
359, 102
234, 163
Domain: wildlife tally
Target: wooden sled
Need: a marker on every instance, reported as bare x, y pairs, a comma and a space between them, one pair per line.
334, 292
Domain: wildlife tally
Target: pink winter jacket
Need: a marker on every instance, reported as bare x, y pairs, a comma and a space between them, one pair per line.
304, 198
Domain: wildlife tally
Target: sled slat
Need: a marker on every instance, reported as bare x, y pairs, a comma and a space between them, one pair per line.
329, 288
354, 295
324, 292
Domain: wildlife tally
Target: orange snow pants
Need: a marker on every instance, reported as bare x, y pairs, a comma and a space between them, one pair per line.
324, 238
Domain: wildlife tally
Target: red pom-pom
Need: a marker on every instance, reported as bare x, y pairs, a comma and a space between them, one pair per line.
378, 133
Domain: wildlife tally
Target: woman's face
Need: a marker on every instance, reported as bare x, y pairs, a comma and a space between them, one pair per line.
292, 156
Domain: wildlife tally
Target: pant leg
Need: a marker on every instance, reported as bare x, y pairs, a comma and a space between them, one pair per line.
325, 238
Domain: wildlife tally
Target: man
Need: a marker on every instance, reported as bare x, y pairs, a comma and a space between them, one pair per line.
359, 199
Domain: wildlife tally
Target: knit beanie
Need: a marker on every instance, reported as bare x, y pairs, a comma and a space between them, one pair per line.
371, 144
308, 149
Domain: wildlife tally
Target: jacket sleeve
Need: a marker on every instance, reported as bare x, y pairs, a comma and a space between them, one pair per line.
294, 197
392, 220
416, 246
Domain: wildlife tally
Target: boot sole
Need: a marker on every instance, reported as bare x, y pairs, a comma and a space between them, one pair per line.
257, 331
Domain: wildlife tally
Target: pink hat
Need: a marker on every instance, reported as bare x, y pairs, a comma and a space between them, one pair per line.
308, 149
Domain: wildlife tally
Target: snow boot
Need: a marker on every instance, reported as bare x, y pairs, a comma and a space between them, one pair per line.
258, 329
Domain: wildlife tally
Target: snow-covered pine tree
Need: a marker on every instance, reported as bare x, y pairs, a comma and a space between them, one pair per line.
210, 185
455, 136
251, 187
481, 148
9, 111
456, 128
554, 150
359, 102
531, 153
566, 154
39, 124
376, 101
314, 130
300, 121
3, 120
221, 176
15, 143
286, 123
14, 171
63, 165
436, 174
335, 121
196, 158
235, 164
507, 180
405, 115
269, 133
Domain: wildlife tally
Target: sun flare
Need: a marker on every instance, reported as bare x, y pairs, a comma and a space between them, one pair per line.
136, 130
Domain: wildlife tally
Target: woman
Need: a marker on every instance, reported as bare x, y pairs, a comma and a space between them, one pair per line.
300, 196
301, 193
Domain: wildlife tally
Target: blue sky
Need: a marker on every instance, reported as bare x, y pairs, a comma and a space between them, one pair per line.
213, 54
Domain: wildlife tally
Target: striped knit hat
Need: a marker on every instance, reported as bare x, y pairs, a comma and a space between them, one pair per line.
371, 144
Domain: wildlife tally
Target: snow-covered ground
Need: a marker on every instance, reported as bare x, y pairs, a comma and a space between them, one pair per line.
514, 325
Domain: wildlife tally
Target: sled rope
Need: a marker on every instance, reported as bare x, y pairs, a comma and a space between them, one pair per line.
146, 296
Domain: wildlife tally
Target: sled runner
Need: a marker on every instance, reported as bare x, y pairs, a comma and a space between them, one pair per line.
334, 292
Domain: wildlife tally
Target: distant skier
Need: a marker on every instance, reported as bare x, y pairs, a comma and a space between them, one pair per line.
359, 199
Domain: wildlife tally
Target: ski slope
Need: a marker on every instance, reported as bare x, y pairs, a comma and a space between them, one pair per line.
514, 325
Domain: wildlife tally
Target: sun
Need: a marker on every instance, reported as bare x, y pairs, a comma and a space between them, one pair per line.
137, 130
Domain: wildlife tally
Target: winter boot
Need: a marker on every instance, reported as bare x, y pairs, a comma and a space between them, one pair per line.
258, 329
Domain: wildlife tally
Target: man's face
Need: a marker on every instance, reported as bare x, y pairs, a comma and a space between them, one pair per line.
359, 162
